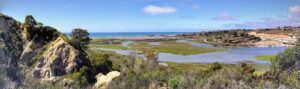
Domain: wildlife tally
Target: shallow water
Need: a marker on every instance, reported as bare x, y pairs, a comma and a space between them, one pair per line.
232, 55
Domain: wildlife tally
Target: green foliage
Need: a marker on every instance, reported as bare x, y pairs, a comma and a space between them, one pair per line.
265, 57
285, 68
100, 61
238, 37
29, 26
80, 39
173, 47
174, 82
152, 58
30, 21
108, 46
215, 66
80, 77
37, 31
64, 37
40, 24
83, 76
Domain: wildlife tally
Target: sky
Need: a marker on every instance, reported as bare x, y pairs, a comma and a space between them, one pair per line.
156, 15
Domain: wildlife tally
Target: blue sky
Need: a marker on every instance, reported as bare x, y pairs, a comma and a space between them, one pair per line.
155, 15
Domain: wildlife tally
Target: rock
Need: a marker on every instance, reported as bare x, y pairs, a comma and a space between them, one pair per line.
59, 59
104, 80
163, 64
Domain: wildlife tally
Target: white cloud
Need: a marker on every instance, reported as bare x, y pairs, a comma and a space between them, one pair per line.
156, 10
294, 9
263, 23
224, 17
294, 15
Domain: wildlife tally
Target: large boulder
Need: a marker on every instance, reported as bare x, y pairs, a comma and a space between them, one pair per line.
59, 59
104, 80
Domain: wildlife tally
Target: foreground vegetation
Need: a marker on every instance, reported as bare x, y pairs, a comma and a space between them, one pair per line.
140, 74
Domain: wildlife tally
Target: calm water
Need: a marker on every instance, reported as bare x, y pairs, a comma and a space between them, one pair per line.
233, 55
117, 34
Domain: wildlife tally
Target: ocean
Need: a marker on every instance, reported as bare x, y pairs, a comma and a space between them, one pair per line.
118, 34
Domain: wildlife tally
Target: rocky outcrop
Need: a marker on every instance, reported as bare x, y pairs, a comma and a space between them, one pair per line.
59, 59
11, 38
39, 47
104, 80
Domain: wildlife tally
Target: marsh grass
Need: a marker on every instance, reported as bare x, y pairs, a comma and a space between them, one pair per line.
107, 43
265, 57
173, 47
108, 46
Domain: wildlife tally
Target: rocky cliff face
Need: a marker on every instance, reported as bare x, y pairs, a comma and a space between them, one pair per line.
59, 59
39, 47
10, 36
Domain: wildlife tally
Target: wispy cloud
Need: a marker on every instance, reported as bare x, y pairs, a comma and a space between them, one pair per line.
263, 23
294, 13
293, 19
224, 17
157, 10
294, 9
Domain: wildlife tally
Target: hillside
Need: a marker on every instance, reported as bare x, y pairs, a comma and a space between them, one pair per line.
42, 51
281, 36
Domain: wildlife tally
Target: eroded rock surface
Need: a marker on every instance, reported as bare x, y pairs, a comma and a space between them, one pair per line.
59, 59
104, 80
40, 48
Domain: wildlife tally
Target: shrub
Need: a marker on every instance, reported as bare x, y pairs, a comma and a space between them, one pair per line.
100, 61
215, 66
152, 58
285, 68
174, 82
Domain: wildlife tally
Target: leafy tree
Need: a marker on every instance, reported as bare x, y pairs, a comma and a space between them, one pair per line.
80, 39
29, 26
30, 21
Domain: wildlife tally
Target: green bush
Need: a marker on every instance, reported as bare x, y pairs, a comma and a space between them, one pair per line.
174, 82
100, 61
285, 68
215, 66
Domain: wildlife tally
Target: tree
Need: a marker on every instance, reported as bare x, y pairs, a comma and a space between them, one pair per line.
80, 39
29, 20
29, 26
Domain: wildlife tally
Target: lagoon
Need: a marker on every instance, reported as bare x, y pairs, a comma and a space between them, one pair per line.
231, 56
